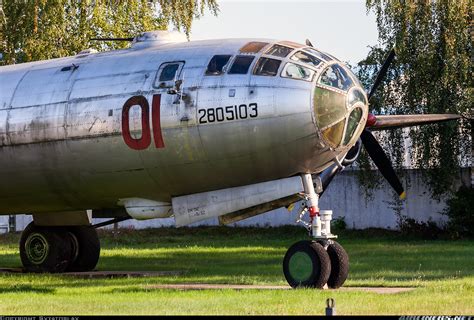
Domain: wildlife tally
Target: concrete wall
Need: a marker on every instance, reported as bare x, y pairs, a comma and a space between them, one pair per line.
345, 197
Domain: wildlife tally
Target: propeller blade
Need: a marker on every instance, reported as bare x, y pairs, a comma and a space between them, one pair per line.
384, 122
382, 162
382, 72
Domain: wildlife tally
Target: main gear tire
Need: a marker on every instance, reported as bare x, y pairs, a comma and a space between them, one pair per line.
306, 264
45, 249
339, 265
87, 250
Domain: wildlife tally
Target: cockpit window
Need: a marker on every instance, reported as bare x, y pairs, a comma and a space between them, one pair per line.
295, 71
334, 133
267, 67
304, 57
352, 124
335, 76
279, 50
318, 54
330, 106
253, 47
356, 95
241, 65
217, 64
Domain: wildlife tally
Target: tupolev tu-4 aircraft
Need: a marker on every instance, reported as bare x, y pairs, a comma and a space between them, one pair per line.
186, 129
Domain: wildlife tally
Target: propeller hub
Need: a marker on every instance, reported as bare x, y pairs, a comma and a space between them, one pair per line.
371, 120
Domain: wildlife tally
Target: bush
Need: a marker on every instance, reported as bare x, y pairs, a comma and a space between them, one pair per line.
338, 224
426, 230
460, 211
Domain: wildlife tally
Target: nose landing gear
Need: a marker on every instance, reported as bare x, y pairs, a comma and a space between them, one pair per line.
320, 261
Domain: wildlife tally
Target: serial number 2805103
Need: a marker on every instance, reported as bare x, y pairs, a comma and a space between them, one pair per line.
228, 113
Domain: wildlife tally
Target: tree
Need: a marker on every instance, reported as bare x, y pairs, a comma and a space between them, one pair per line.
43, 29
432, 73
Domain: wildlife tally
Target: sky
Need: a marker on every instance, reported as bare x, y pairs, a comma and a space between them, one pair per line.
341, 28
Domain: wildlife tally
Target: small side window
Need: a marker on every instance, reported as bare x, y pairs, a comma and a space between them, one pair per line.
279, 50
267, 67
168, 73
217, 64
241, 65
295, 71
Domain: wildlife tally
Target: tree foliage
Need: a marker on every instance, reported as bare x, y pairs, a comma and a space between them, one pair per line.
460, 213
43, 29
432, 73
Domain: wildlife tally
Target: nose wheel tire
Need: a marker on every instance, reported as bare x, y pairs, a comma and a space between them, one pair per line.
307, 264
339, 265
45, 249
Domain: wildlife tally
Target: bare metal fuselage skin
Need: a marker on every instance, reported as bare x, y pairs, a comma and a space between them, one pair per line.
61, 129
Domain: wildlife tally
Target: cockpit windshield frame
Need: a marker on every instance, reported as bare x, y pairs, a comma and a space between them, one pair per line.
339, 78
279, 50
319, 54
306, 58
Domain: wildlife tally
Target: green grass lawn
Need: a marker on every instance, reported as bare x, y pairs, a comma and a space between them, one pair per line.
441, 271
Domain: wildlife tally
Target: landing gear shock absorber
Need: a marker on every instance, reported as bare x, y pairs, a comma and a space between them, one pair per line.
321, 260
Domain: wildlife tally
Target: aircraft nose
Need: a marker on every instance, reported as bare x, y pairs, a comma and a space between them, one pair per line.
340, 115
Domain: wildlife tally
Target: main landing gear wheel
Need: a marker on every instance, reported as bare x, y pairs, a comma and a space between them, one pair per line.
59, 249
44, 249
307, 264
88, 248
339, 265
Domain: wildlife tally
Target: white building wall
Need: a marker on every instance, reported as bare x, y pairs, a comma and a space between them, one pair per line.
344, 196
3, 224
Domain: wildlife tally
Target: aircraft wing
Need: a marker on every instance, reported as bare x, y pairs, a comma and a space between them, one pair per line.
385, 122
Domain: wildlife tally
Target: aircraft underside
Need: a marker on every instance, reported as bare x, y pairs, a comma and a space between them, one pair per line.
47, 245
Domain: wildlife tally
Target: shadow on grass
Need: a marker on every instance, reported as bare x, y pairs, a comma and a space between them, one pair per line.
10, 260
237, 255
399, 264
26, 289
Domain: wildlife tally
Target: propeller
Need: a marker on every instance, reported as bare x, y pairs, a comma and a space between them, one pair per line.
382, 72
383, 163
374, 149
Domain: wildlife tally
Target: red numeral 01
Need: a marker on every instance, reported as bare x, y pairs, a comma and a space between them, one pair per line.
144, 141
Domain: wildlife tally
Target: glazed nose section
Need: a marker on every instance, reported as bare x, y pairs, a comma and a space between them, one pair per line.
340, 107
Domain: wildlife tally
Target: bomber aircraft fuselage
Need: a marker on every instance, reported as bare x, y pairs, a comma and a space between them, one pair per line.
85, 131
